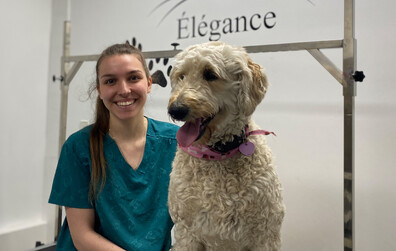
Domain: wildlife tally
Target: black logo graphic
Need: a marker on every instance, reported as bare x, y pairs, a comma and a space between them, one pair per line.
158, 76
177, 4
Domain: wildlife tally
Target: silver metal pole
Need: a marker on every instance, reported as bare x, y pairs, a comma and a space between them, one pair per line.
329, 44
63, 110
349, 92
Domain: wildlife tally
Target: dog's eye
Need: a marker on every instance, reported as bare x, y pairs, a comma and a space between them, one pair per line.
209, 75
181, 77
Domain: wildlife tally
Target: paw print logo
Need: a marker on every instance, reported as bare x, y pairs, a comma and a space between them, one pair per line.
157, 75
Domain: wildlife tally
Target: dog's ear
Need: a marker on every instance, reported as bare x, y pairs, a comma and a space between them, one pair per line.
256, 83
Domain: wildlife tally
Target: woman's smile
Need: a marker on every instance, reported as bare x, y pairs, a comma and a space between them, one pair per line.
125, 103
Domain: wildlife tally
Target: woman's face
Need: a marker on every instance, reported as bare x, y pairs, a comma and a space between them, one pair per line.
123, 86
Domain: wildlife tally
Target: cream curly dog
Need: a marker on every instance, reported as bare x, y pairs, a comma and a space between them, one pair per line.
224, 193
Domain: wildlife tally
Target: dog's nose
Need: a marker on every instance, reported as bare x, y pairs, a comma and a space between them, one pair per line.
178, 112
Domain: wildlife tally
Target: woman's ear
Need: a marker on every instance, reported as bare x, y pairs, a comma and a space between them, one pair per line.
98, 89
149, 84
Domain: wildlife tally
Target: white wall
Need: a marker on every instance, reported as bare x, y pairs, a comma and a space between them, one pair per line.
24, 49
304, 106
58, 17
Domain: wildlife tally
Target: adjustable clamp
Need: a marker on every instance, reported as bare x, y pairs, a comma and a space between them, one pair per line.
54, 78
175, 45
358, 76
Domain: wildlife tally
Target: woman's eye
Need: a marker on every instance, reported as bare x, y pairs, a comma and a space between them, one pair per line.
109, 81
134, 78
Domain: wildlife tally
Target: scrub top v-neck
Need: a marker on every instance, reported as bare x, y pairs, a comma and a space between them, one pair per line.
121, 154
131, 210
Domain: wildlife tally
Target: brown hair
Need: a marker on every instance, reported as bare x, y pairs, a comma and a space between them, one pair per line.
102, 117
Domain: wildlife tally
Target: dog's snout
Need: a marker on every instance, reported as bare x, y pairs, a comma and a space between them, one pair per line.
178, 112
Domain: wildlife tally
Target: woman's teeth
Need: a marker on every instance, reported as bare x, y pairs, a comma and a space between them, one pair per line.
125, 103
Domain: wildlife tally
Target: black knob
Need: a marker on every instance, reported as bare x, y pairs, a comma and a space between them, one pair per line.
175, 45
54, 78
358, 76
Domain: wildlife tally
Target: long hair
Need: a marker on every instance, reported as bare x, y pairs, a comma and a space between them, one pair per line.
102, 117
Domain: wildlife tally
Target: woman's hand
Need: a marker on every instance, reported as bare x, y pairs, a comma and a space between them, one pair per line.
81, 224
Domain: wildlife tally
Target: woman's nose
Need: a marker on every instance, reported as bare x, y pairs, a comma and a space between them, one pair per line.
123, 88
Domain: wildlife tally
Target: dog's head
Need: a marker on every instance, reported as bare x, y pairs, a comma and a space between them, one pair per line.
215, 89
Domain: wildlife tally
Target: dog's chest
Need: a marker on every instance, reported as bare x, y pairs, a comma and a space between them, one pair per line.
219, 191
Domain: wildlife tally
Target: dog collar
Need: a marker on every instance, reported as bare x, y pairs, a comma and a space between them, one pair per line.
206, 152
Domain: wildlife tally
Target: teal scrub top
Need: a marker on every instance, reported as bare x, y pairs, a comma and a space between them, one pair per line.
131, 210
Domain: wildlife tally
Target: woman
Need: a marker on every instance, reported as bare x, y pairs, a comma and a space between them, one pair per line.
112, 176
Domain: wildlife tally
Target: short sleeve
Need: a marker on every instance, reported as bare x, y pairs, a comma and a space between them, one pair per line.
70, 186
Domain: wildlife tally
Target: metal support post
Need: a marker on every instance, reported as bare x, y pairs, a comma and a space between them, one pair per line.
63, 110
349, 92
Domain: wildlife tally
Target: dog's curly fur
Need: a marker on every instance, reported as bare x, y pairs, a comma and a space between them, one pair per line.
231, 204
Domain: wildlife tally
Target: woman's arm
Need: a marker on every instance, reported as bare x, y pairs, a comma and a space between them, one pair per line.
81, 224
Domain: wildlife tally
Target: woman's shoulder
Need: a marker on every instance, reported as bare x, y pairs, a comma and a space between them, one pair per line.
82, 133
162, 129
80, 137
